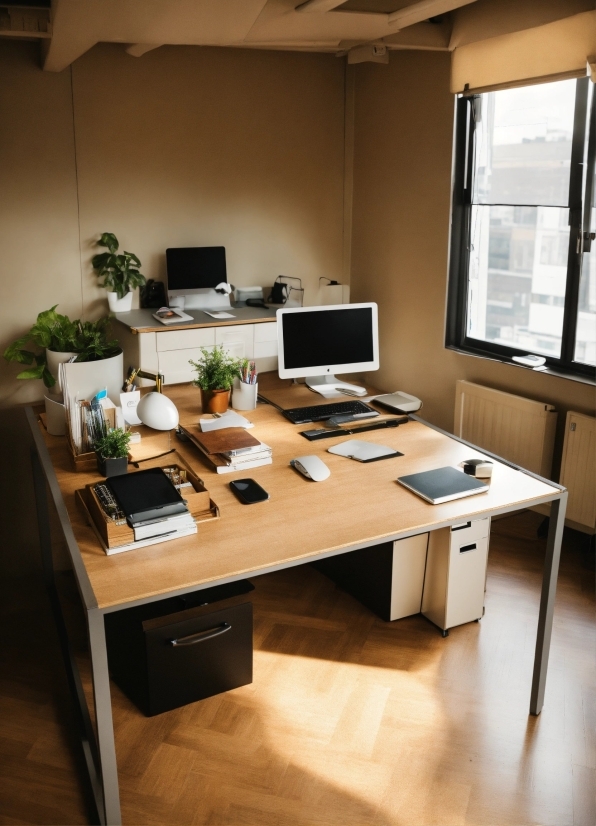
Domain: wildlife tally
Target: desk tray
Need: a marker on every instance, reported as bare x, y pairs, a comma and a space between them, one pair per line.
114, 535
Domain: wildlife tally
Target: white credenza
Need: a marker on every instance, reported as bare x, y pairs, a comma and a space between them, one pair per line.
168, 350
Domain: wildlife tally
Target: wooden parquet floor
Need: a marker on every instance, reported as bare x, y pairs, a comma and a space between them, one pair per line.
349, 720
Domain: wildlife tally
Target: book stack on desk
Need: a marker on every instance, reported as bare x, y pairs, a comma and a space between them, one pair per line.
131, 511
230, 449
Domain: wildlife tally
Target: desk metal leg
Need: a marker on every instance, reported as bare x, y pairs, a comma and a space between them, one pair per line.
103, 716
99, 753
547, 601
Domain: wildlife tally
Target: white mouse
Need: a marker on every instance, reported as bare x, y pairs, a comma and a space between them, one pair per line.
312, 467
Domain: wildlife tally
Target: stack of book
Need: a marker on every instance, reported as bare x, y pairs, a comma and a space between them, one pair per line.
230, 449
146, 506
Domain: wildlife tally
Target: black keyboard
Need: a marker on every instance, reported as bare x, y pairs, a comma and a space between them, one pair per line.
320, 412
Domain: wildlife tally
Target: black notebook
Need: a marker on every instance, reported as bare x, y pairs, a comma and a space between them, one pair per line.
442, 484
146, 495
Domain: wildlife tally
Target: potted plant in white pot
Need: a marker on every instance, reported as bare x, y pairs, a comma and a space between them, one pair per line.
111, 450
216, 371
56, 335
57, 339
120, 273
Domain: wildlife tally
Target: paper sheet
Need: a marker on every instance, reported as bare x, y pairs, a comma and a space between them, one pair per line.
219, 315
227, 419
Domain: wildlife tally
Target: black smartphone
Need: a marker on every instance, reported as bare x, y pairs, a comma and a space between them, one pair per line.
249, 491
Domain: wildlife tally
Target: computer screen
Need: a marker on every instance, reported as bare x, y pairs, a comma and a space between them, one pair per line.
195, 268
321, 341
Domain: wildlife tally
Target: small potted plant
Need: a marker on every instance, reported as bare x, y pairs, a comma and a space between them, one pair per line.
111, 451
216, 371
120, 273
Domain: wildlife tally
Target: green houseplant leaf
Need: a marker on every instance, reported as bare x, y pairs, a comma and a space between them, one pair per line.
90, 340
216, 369
120, 273
113, 444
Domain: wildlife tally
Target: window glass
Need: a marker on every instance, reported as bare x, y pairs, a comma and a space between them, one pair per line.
523, 145
517, 276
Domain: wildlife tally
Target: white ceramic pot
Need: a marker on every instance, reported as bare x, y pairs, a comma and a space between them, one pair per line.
55, 416
120, 305
87, 377
53, 359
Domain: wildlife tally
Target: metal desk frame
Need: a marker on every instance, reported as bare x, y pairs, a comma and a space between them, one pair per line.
100, 752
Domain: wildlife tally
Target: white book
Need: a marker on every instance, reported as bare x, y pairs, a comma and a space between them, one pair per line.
161, 527
153, 540
247, 454
244, 466
171, 315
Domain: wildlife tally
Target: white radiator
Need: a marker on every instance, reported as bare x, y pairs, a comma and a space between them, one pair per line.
578, 470
518, 429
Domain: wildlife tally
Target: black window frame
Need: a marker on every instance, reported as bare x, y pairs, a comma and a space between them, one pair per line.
456, 337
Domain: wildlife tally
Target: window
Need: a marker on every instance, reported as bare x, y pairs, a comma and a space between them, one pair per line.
523, 263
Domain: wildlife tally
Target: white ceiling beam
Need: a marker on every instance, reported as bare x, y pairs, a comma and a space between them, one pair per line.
139, 49
422, 10
319, 5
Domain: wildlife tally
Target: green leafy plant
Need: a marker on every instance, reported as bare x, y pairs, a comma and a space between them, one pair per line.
216, 370
92, 342
113, 444
120, 273
52, 331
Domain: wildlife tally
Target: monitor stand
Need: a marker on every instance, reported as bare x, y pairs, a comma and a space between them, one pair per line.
204, 299
330, 386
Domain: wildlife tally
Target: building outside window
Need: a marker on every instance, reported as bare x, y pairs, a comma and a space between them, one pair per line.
523, 265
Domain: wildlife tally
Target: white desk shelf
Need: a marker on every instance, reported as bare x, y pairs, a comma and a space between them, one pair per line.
146, 343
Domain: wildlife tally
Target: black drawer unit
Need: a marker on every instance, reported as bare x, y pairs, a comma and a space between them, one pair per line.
178, 650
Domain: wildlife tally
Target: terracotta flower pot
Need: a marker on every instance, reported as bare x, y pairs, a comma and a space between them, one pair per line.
215, 401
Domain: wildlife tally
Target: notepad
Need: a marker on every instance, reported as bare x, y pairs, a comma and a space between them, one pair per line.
442, 484
364, 451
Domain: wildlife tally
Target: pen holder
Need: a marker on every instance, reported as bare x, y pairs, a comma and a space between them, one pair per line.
244, 396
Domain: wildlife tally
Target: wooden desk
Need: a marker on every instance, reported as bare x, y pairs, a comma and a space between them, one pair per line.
358, 506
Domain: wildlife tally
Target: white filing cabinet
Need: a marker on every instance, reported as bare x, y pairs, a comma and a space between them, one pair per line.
169, 351
455, 577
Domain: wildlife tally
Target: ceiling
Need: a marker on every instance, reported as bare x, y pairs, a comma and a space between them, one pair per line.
69, 28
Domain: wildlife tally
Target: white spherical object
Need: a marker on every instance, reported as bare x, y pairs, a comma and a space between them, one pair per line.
157, 411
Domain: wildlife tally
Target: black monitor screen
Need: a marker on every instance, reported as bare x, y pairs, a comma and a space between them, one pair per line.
194, 268
328, 337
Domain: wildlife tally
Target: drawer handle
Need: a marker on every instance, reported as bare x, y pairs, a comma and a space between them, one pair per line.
201, 636
461, 527
465, 548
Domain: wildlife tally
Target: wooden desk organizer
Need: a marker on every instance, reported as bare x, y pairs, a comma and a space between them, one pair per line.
114, 534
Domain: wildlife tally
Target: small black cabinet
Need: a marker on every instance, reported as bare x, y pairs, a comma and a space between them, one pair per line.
178, 650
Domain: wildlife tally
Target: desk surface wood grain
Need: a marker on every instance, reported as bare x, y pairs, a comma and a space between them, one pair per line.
359, 504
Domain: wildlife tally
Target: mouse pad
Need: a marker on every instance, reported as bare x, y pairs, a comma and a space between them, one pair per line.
363, 451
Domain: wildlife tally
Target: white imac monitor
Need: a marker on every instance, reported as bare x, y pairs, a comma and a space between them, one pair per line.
193, 275
315, 343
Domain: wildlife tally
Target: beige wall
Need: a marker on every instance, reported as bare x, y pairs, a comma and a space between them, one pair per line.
39, 239
184, 146
403, 140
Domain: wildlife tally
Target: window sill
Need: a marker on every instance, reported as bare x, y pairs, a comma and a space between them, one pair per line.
550, 371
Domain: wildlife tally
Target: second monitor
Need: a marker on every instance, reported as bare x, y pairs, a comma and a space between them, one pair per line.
315, 343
